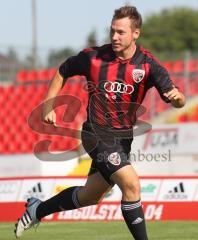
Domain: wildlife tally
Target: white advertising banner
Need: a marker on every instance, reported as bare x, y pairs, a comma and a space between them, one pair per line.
178, 190
178, 138
9, 190
39, 188
150, 189
196, 194
163, 198
17, 165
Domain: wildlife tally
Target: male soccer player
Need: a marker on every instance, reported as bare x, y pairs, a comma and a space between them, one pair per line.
121, 72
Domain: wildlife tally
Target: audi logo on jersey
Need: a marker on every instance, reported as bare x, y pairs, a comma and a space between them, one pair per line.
117, 87
138, 75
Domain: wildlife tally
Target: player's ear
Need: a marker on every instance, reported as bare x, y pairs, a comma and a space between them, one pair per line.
136, 33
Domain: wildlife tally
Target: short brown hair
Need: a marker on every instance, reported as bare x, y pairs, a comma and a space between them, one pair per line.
130, 12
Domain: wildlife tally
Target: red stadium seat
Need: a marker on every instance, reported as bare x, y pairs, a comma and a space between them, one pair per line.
168, 66
43, 75
193, 65
178, 67
32, 76
21, 76
10, 90
193, 87
179, 81
21, 89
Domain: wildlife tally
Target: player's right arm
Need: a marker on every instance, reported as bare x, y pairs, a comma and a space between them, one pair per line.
76, 65
49, 115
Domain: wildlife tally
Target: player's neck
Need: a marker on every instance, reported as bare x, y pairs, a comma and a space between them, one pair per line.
127, 54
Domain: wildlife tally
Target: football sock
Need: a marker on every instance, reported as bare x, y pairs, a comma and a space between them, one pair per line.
134, 218
65, 200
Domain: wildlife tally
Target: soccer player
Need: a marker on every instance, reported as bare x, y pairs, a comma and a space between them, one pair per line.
121, 72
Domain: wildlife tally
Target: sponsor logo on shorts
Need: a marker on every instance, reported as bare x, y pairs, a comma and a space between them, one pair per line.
114, 158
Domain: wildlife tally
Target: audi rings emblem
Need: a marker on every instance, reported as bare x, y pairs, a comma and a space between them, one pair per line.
117, 87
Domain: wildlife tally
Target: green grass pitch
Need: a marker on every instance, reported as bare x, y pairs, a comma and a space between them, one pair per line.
167, 230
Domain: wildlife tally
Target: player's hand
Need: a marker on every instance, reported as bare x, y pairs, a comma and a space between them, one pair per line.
173, 94
50, 118
177, 98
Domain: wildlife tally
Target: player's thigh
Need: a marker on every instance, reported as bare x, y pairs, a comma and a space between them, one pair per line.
95, 188
127, 179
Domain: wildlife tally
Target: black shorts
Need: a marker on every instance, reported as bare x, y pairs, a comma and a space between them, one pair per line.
109, 152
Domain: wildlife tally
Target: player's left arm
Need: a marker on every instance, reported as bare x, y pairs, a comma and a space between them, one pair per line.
161, 80
176, 98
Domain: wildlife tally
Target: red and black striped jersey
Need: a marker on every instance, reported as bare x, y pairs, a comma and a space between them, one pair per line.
116, 87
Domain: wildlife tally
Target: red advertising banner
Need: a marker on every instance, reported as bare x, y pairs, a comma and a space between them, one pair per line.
109, 211
163, 198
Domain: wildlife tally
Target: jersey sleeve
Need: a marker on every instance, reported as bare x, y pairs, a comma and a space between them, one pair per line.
76, 65
160, 79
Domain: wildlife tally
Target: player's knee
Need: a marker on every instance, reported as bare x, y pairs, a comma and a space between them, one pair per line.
131, 190
133, 187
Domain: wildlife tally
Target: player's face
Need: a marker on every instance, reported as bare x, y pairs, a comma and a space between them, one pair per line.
122, 35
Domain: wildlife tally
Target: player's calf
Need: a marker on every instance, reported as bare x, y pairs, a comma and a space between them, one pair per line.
131, 206
65, 200
87, 197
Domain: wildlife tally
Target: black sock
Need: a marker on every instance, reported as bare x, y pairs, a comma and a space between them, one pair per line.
134, 218
65, 200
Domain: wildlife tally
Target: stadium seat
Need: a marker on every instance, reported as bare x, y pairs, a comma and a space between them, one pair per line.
193, 87
21, 89
43, 75
193, 65
168, 66
32, 76
10, 90
21, 76
178, 67
179, 81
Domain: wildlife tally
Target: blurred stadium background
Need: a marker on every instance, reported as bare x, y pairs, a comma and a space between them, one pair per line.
169, 185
